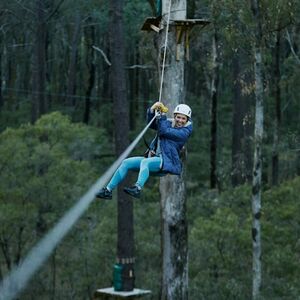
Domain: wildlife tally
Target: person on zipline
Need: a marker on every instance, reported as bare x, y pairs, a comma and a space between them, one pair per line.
163, 155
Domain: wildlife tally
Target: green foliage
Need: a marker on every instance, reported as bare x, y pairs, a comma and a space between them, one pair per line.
221, 249
44, 168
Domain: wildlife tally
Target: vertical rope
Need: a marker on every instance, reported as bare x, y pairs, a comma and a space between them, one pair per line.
165, 51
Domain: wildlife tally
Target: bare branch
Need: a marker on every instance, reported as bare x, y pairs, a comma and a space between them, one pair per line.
26, 8
55, 10
103, 54
140, 67
288, 38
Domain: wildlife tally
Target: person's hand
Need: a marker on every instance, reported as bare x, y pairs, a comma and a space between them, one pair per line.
159, 107
155, 106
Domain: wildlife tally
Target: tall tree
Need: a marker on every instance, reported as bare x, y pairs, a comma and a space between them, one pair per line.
172, 188
125, 247
258, 140
73, 61
237, 123
277, 118
213, 110
90, 41
1, 94
241, 154
39, 105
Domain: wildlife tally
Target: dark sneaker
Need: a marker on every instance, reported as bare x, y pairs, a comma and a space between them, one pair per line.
133, 191
104, 194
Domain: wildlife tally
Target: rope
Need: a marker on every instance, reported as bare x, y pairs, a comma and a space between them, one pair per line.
165, 51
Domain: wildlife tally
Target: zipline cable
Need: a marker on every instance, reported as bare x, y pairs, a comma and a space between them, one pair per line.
18, 278
165, 53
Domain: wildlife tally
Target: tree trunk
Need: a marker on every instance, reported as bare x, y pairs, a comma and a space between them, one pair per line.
73, 62
241, 125
277, 119
53, 281
257, 163
125, 247
39, 106
1, 94
214, 106
172, 188
5, 247
237, 124
134, 75
90, 41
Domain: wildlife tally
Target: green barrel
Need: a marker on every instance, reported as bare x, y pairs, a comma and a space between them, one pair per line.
117, 277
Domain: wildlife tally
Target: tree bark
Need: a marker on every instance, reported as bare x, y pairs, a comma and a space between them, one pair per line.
257, 163
125, 246
173, 191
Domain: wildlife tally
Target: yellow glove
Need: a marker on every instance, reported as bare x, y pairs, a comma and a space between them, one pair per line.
164, 109
155, 106
159, 106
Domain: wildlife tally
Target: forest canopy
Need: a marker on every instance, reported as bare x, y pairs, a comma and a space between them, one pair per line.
59, 128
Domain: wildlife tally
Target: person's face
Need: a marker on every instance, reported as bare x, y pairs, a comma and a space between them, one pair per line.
180, 120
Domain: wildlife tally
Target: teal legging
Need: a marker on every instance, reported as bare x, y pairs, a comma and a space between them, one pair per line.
144, 165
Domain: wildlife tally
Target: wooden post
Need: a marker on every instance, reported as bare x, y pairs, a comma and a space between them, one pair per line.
172, 188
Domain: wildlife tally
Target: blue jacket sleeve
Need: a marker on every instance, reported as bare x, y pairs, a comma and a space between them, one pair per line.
166, 130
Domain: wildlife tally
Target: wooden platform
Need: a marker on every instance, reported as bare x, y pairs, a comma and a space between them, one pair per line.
110, 293
153, 23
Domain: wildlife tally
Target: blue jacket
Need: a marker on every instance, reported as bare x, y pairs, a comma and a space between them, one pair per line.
172, 140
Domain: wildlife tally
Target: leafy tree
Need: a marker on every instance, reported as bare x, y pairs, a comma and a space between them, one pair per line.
44, 168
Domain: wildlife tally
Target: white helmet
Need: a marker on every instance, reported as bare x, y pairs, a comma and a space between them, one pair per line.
183, 109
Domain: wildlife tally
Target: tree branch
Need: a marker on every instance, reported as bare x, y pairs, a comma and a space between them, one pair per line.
288, 38
140, 67
55, 10
103, 54
25, 8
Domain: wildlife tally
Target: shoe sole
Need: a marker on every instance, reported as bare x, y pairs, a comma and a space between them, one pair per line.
132, 195
106, 198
